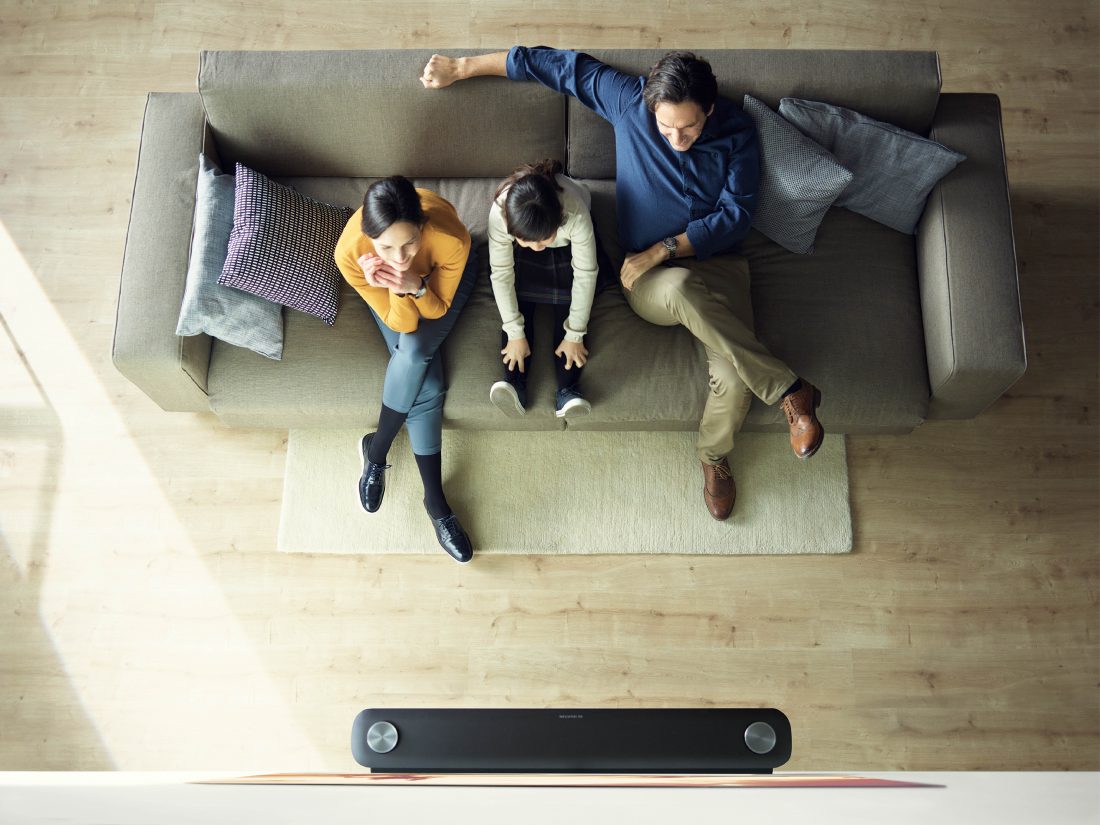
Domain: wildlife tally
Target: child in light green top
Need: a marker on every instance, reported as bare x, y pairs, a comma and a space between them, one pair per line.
542, 250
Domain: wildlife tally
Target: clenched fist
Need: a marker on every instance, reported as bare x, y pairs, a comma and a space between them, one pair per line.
440, 72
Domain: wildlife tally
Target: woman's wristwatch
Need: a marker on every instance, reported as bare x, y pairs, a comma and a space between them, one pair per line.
420, 292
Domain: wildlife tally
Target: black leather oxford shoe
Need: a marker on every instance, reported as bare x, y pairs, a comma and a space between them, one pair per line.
372, 483
452, 538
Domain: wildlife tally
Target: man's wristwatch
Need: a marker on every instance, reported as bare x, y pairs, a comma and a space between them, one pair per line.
670, 246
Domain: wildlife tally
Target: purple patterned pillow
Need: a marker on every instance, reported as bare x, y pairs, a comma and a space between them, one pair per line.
281, 246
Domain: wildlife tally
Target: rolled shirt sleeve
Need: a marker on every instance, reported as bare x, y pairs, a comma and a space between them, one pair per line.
726, 226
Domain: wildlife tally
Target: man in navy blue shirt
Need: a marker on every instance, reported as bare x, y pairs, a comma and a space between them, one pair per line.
686, 183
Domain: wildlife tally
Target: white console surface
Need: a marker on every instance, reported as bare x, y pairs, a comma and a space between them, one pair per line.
125, 798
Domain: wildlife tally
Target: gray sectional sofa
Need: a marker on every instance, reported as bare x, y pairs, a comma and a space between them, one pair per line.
895, 329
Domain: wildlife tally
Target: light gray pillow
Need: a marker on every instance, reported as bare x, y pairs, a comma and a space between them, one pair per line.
798, 183
227, 314
894, 169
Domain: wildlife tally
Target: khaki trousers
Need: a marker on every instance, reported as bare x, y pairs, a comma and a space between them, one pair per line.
712, 299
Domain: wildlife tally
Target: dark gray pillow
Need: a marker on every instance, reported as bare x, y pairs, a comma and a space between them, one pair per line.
799, 181
894, 169
281, 246
225, 313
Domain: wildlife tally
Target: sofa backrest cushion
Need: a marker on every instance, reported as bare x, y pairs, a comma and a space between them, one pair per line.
898, 87
366, 114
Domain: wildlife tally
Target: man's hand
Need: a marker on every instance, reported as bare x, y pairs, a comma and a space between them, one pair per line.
573, 352
440, 72
639, 263
514, 352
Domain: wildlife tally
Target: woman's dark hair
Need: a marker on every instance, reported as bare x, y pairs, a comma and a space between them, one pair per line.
680, 76
388, 201
532, 209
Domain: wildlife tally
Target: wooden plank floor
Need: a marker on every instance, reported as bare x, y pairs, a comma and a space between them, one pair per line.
147, 623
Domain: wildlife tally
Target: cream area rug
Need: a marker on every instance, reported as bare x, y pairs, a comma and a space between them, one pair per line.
569, 492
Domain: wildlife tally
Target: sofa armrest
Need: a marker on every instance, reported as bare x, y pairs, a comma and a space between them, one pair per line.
966, 258
171, 370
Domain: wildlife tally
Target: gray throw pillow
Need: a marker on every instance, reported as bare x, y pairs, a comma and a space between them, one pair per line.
281, 246
894, 169
225, 313
798, 183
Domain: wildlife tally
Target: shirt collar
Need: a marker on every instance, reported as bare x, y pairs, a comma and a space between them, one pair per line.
710, 127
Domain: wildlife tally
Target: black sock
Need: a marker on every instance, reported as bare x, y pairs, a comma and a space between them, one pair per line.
566, 378
513, 376
431, 473
389, 422
795, 387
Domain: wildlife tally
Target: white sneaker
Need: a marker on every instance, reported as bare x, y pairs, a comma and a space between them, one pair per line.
505, 398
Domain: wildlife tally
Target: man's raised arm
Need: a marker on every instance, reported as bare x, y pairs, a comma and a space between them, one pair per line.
605, 90
442, 71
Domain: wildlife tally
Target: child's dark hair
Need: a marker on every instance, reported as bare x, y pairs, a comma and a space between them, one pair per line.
388, 201
532, 209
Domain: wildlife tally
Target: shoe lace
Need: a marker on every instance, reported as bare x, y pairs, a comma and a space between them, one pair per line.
789, 410
374, 471
449, 526
794, 407
722, 471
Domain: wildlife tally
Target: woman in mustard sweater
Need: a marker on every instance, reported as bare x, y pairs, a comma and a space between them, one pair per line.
408, 255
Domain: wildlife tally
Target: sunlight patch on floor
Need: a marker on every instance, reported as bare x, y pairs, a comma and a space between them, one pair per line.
144, 632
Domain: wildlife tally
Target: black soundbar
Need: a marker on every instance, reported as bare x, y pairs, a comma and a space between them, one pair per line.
658, 740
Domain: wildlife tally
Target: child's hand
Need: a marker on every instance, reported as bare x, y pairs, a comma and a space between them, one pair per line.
573, 352
515, 352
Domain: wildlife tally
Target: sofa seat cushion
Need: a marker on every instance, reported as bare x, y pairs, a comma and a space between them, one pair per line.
329, 376
847, 317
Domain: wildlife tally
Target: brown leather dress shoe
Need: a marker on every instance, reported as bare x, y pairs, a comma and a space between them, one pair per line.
806, 431
719, 491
